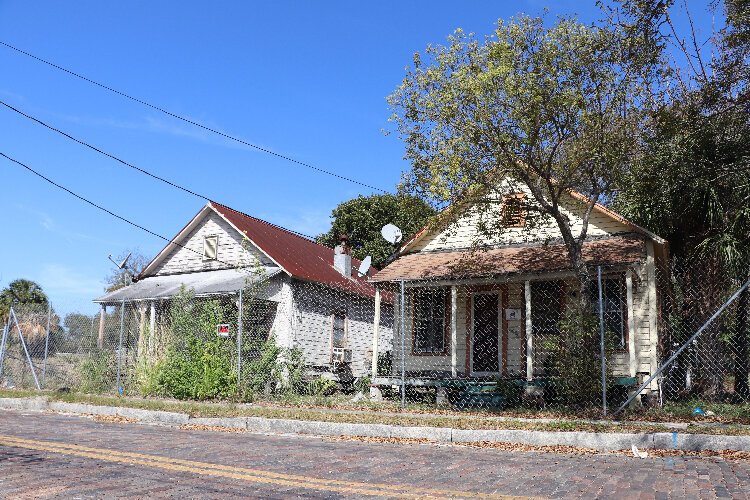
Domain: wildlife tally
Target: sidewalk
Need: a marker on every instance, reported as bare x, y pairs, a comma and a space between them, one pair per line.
608, 436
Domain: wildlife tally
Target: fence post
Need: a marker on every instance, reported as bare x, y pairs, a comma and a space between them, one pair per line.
119, 345
403, 347
46, 346
239, 342
2, 345
601, 342
25, 349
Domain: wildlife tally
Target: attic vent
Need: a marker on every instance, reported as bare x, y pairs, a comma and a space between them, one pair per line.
210, 247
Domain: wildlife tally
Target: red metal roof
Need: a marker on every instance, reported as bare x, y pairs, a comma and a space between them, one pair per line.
300, 257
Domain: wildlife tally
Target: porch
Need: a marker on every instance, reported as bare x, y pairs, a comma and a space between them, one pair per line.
468, 333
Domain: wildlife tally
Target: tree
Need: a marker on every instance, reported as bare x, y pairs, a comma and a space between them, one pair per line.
362, 218
550, 109
692, 185
22, 292
119, 278
79, 329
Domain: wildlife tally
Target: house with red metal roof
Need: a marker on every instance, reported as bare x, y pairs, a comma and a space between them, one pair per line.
306, 296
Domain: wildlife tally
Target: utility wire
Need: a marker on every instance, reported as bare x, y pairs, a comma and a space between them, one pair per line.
105, 210
82, 143
191, 122
119, 160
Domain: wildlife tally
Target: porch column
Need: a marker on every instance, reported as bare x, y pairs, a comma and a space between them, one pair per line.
632, 358
529, 339
454, 331
375, 334
102, 316
152, 329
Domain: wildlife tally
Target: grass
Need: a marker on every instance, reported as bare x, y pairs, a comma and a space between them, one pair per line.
304, 409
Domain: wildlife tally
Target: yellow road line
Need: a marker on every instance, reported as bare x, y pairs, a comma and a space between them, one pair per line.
246, 474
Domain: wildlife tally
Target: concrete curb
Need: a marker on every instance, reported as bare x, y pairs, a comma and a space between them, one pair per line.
604, 441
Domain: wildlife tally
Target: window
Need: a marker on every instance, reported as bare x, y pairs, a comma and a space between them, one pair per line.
546, 307
338, 336
514, 211
429, 321
613, 301
210, 247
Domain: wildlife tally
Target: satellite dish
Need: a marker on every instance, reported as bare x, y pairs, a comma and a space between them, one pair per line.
364, 267
391, 233
122, 264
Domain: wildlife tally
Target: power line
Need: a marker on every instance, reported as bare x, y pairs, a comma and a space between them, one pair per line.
119, 160
83, 143
105, 210
191, 122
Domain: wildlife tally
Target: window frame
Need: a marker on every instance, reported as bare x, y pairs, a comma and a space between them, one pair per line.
215, 237
623, 302
517, 198
445, 318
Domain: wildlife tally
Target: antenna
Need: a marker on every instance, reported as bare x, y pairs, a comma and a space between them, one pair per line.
391, 233
364, 267
122, 264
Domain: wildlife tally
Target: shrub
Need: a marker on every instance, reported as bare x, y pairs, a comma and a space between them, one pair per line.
575, 359
198, 364
98, 372
321, 386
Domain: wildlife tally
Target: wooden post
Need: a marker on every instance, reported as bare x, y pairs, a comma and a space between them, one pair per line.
375, 334
529, 339
102, 316
454, 331
632, 357
652, 309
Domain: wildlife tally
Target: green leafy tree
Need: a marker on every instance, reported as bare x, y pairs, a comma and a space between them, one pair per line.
362, 218
692, 185
551, 109
22, 292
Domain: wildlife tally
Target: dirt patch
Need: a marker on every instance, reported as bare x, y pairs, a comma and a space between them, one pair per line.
385, 440
213, 428
113, 419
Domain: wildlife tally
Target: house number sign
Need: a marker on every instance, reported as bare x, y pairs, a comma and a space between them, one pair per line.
513, 314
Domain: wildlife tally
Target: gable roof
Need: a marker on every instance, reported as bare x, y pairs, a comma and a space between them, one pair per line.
598, 207
296, 255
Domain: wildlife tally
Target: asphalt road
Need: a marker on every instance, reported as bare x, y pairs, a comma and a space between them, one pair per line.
57, 456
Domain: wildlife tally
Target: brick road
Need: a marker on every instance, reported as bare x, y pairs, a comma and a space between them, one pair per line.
48, 455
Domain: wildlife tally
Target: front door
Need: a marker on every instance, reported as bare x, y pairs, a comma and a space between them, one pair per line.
485, 345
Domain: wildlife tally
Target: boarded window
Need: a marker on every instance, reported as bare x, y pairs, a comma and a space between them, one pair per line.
338, 340
210, 247
429, 321
514, 210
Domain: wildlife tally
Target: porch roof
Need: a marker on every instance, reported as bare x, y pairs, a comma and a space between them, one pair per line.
468, 264
202, 283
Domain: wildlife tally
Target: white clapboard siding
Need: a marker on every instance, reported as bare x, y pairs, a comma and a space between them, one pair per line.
463, 233
313, 325
231, 252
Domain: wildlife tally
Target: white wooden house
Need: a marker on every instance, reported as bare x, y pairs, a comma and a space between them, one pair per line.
315, 301
479, 313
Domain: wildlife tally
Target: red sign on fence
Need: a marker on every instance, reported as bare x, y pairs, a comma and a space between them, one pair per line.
222, 330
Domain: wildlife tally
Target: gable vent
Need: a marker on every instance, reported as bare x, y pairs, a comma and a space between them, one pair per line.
210, 247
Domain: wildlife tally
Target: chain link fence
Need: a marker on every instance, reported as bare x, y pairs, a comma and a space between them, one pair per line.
539, 342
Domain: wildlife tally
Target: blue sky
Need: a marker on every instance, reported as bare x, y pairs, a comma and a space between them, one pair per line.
305, 79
